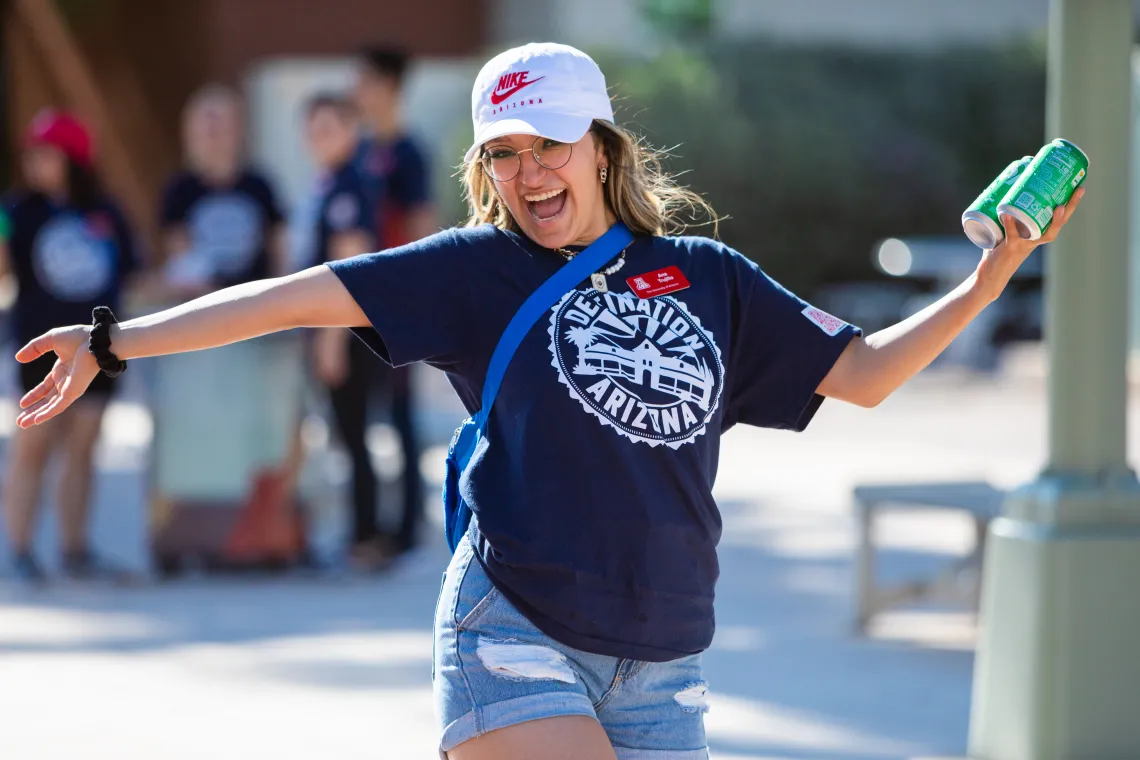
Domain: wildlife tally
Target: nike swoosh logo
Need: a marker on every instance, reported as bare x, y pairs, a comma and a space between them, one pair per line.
497, 98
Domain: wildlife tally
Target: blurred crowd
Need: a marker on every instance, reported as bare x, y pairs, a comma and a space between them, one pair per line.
69, 248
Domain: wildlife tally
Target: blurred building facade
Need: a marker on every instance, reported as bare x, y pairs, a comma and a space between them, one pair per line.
144, 58
878, 23
871, 22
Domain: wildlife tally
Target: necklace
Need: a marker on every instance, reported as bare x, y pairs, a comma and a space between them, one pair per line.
598, 279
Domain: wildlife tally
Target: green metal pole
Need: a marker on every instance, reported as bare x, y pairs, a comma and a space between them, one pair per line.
1057, 675
1134, 246
1089, 94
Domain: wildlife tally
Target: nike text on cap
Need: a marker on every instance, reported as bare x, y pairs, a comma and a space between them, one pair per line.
542, 89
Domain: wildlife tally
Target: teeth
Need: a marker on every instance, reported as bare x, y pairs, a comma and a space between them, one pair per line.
543, 196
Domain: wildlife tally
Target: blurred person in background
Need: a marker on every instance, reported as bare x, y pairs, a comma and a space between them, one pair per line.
222, 225
221, 221
70, 250
343, 227
394, 166
579, 599
396, 176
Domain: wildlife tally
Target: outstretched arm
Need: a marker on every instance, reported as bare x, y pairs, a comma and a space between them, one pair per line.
872, 368
312, 298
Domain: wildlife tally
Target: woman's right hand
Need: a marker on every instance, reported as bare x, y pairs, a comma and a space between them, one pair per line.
74, 369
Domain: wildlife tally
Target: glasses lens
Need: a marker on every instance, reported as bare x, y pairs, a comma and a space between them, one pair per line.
502, 164
551, 153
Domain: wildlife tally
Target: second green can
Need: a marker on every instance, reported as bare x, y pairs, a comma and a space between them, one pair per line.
980, 221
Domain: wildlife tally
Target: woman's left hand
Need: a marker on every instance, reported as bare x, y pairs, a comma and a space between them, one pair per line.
998, 265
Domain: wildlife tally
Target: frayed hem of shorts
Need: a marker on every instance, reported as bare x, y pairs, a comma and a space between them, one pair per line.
625, 753
511, 712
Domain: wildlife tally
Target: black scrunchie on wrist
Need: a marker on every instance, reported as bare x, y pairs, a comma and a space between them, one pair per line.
100, 342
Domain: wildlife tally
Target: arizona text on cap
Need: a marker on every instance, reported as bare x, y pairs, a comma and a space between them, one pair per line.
543, 89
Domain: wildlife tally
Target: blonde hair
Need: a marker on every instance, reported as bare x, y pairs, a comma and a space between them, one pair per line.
637, 191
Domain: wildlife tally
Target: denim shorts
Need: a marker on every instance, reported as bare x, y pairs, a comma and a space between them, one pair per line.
492, 668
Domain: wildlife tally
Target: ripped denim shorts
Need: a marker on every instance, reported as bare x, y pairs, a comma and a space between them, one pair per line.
492, 668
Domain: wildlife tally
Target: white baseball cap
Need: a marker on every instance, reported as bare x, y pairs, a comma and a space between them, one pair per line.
542, 89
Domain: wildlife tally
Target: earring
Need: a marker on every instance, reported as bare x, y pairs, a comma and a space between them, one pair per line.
604, 172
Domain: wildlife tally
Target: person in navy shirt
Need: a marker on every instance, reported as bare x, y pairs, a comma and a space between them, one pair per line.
69, 249
573, 615
392, 162
343, 228
221, 221
395, 171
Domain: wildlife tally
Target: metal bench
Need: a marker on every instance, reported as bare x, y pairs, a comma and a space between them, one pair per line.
960, 583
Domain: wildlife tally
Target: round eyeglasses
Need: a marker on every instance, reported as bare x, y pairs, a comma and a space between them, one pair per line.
504, 163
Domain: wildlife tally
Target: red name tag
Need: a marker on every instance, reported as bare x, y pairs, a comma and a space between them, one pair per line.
650, 284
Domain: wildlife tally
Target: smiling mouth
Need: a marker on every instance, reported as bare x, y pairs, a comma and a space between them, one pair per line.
544, 207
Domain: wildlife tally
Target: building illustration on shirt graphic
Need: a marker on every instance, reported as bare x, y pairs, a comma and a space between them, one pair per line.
648, 369
645, 365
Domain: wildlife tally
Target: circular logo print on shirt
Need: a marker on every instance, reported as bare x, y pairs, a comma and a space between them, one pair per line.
343, 211
70, 262
227, 228
644, 367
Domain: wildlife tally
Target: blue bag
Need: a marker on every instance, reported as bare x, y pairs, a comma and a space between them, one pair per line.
456, 513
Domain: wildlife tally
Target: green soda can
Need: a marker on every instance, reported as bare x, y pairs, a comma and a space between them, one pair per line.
980, 221
1057, 171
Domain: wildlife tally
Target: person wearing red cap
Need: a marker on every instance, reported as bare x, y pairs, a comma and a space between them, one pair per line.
69, 249
602, 354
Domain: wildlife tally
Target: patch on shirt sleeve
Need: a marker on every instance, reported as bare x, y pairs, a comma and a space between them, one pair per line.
824, 321
343, 211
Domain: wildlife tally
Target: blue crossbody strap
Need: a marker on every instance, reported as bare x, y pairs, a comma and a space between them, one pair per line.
549, 293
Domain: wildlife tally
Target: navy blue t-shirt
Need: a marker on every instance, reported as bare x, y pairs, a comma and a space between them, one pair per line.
66, 261
592, 491
342, 205
395, 176
232, 225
